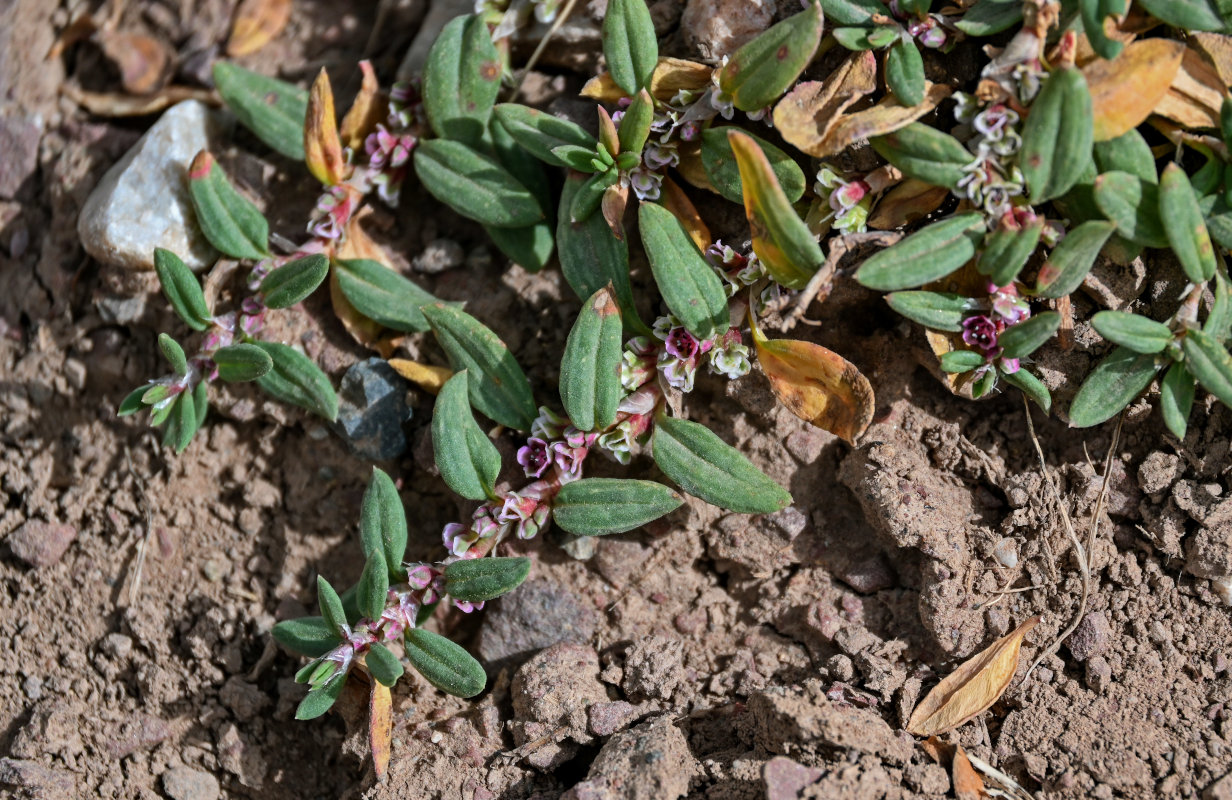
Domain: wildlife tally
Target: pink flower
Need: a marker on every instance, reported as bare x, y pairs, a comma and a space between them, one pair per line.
535, 457
681, 344
981, 333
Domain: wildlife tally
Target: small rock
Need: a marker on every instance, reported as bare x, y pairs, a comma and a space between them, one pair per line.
143, 202
438, 256
650, 761
140, 732
1091, 637
604, 719
41, 544
718, 28
803, 720
117, 646
118, 310
1158, 472
244, 699
33, 687
75, 373
653, 668
19, 141
371, 409
183, 783
539, 614
786, 779
841, 667
1099, 674
868, 576
41, 782
550, 692
239, 756
1209, 551
928, 779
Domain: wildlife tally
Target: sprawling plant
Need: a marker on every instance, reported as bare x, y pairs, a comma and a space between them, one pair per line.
1022, 183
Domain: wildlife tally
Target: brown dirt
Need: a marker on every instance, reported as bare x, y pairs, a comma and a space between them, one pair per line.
710, 654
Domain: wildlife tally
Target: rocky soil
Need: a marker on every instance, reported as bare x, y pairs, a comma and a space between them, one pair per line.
709, 655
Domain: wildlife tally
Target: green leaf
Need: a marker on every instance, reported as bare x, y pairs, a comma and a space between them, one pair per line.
690, 288
242, 362
629, 44
589, 195
132, 403
1219, 319
1220, 228
182, 289
914, 8
296, 380
904, 72
763, 69
1094, 12
591, 257
1023, 339
853, 12
1072, 259
173, 353
294, 281
228, 219
941, 311
590, 386
530, 248
475, 185
540, 133
925, 256
201, 403
1190, 15
987, 17
599, 506
181, 423
308, 636
959, 361
383, 295
721, 168
319, 700
1111, 386
372, 593
331, 607
1005, 252
468, 461
1139, 334
1031, 386
1176, 396
498, 386
635, 124
461, 80
1133, 204
1209, 362
1057, 136
383, 665
272, 109
925, 153
703, 465
1130, 153
1182, 221
444, 664
382, 523
863, 38
475, 580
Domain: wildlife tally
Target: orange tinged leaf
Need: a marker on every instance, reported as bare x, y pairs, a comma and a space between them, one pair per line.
817, 385
691, 167
807, 113
676, 201
425, 376
887, 116
968, 785
907, 202
1196, 94
367, 110
143, 61
615, 199
670, 76
608, 137
322, 147
257, 22
380, 727
1126, 90
971, 689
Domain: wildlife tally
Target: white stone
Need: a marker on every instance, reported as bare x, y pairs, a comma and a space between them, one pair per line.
143, 202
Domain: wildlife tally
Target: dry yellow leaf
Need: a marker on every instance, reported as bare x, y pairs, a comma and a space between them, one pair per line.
116, 104
322, 147
972, 688
806, 114
380, 727
968, 785
1126, 90
817, 385
1217, 47
256, 23
690, 166
367, 110
1196, 94
886, 117
676, 201
670, 76
425, 376
907, 202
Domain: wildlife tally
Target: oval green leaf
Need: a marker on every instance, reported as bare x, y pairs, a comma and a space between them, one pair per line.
331, 607
904, 72
272, 109
383, 665
924, 256
444, 664
601, 506
228, 219
461, 80
629, 44
382, 523
724, 173
242, 362
294, 281
468, 461
941, 311
1183, 223
1111, 386
475, 580
1133, 204
182, 289
539, 133
590, 386
296, 380
383, 295
308, 636
690, 288
475, 185
763, 69
1057, 136
1031, 386
1023, 339
1005, 252
1176, 396
1209, 362
174, 354
1072, 259
1139, 334
925, 153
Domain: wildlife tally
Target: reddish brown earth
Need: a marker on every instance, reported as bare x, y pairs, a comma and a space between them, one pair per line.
710, 655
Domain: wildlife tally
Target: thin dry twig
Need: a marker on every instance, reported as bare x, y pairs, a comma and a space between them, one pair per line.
839, 247
543, 43
1082, 549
